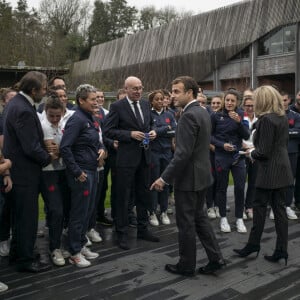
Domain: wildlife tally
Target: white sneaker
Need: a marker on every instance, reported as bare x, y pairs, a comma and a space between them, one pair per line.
291, 213
88, 243
211, 213
3, 287
65, 253
88, 254
225, 227
244, 216
79, 260
153, 220
217, 212
57, 257
271, 216
94, 236
165, 219
4, 248
241, 228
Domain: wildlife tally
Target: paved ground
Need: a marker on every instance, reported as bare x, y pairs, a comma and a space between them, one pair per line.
139, 273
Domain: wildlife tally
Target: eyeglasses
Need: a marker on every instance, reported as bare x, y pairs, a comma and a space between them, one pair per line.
249, 106
137, 88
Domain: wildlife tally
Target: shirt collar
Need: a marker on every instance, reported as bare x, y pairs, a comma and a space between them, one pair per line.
189, 104
30, 100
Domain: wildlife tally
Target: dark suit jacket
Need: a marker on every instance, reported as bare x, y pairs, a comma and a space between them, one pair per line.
271, 155
118, 125
190, 168
23, 141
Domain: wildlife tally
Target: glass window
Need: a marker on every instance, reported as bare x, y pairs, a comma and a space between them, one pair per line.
278, 42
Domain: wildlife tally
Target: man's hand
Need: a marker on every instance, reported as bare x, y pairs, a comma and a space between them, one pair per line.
102, 155
152, 134
137, 135
158, 185
7, 183
116, 144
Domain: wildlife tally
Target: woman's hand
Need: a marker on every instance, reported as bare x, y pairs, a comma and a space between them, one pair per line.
235, 116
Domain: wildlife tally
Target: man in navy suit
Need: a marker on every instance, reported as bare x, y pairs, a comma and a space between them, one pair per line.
189, 171
24, 146
129, 122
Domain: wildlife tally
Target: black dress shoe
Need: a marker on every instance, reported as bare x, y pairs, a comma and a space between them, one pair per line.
105, 221
148, 236
34, 267
212, 267
247, 250
174, 269
132, 221
276, 256
122, 241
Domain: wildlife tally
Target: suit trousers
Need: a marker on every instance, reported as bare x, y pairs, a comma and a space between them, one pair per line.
251, 170
127, 178
191, 219
276, 198
6, 216
297, 183
25, 222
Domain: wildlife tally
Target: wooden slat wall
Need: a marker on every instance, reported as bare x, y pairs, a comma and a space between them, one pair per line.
193, 46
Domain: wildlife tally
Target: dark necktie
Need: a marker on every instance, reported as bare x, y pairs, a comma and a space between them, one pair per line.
138, 114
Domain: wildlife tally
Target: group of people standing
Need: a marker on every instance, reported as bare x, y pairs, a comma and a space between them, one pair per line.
61, 153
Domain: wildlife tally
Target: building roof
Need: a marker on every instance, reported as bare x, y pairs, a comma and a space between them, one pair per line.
192, 46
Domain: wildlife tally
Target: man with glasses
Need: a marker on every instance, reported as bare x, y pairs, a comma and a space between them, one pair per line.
129, 122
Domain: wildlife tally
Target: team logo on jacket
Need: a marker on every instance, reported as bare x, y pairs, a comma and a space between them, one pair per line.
167, 120
291, 122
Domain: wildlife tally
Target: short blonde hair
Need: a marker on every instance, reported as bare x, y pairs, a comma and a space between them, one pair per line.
268, 100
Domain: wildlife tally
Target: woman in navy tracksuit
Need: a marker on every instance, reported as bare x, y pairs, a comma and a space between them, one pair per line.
82, 151
228, 131
161, 153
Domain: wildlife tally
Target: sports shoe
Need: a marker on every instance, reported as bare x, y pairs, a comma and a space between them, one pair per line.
57, 257
153, 220
241, 228
79, 260
88, 254
271, 216
249, 212
217, 212
165, 219
224, 225
65, 253
244, 216
170, 211
291, 213
4, 248
3, 287
94, 236
211, 213
88, 243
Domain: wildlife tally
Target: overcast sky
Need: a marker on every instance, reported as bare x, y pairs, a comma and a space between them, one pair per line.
189, 5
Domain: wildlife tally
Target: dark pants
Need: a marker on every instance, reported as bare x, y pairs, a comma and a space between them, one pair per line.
127, 177
54, 189
110, 165
82, 205
211, 191
293, 157
6, 216
276, 198
297, 183
159, 162
238, 170
251, 170
25, 222
93, 219
191, 219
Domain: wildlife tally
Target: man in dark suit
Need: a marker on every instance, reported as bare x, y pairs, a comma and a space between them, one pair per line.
129, 122
190, 172
24, 146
